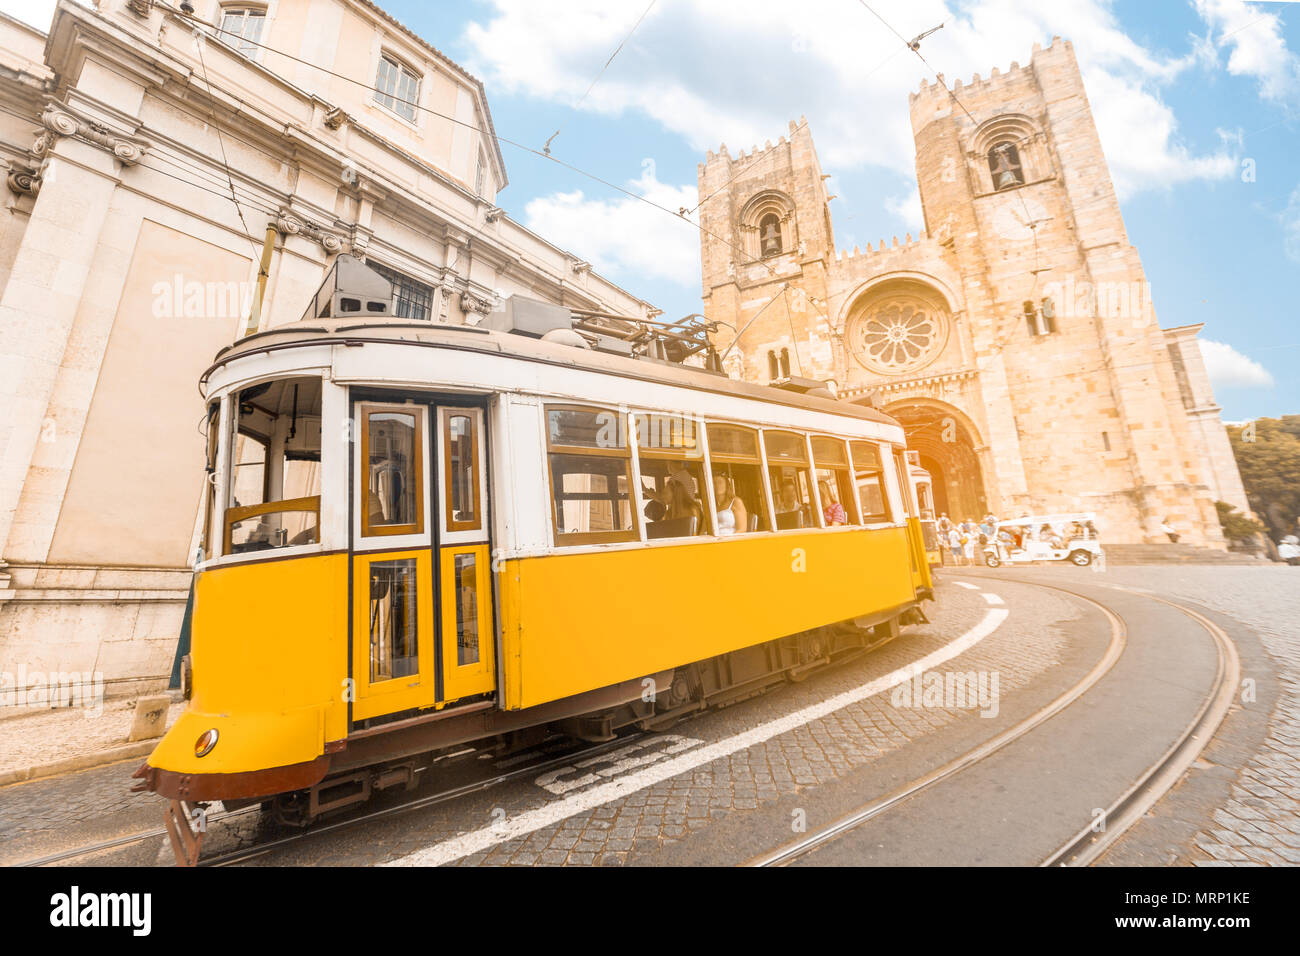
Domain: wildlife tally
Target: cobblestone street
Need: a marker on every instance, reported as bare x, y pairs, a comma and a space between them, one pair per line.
1260, 824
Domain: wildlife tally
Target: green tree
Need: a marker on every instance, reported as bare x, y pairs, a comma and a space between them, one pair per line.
1268, 456
1237, 528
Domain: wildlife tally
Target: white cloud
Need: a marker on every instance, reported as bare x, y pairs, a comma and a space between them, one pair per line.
908, 209
623, 236
1228, 368
715, 71
1257, 46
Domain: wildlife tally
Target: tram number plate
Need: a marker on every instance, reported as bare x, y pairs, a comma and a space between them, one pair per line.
583, 773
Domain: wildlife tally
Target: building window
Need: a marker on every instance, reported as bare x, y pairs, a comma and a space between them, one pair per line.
241, 27
1004, 164
397, 87
411, 299
479, 169
769, 234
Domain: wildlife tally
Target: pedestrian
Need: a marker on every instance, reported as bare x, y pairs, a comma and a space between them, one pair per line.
1168, 529
954, 545
970, 546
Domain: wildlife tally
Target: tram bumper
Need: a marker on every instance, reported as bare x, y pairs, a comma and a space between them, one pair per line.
222, 757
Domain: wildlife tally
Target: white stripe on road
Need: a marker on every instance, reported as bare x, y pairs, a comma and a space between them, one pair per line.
993, 599
968, 587
530, 821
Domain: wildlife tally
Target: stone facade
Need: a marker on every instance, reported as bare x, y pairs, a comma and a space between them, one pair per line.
1015, 338
125, 265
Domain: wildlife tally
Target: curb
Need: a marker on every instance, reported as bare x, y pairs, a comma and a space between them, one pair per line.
140, 748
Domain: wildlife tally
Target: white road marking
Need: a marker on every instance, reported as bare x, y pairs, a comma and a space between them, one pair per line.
620, 761
968, 587
530, 821
993, 598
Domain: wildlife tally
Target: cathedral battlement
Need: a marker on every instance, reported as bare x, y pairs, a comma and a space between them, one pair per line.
921, 241
755, 152
938, 90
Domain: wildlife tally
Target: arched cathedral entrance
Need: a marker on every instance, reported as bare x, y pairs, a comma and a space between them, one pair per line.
946, 442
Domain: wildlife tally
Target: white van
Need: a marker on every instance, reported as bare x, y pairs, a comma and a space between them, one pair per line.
1061, 537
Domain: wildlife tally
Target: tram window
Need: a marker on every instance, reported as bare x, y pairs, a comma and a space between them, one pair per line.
270, 529
868, 475
249, 485
210, 475
392, 459
460, 449
904, 483
275, 483
787, 463
672, 476
733, 453
674, 495
393, 651
590, 466
466, 577
835, 488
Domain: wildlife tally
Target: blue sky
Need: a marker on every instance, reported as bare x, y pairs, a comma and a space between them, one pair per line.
1197, 103
1217, 249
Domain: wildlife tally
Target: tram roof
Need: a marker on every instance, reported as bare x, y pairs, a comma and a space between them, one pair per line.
421, 334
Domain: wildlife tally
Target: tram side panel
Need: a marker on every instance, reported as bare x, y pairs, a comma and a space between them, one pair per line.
574, 622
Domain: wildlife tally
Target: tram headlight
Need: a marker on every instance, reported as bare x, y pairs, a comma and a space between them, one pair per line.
207, 740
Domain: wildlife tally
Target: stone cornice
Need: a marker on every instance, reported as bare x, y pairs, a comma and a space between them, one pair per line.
928, 381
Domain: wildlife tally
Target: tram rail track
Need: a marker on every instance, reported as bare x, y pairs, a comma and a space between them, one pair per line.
234, 856
1087, 845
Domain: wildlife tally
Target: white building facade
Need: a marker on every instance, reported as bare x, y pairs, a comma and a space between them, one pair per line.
125, 264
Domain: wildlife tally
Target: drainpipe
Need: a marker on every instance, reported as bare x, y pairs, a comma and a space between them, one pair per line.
264, 270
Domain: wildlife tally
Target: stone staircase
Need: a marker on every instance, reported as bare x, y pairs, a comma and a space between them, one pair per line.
1169, 553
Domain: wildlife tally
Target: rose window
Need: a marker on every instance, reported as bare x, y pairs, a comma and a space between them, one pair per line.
897, 337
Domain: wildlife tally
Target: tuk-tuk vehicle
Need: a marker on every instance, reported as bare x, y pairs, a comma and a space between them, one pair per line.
1058, 537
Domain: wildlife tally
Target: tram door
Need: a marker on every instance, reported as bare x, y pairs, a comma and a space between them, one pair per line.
422, 600
464, 562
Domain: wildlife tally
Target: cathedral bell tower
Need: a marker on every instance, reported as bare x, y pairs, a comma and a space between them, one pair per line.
766, 246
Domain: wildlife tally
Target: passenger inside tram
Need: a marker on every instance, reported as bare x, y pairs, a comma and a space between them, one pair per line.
794, 505
833, 512
732, 517
744, 491
672, 491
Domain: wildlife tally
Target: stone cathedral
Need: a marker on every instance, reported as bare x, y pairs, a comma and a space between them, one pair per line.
1015, 338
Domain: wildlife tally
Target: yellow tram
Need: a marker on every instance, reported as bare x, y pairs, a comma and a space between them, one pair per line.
923, 489
420, 535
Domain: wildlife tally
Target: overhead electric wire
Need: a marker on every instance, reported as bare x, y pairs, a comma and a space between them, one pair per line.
517, 145
547, 148
216, 128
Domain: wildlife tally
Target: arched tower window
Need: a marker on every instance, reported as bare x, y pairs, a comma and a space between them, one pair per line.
1005, 166
773, 370
785, 363
769, 234
768, 226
